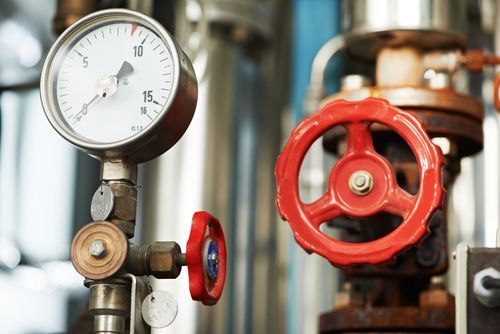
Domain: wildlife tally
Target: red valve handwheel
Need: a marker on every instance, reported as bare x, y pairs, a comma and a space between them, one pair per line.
340, 199
206, 258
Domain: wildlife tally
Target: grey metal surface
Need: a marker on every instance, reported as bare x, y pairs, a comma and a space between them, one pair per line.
159, 309
369, 24
253, 15
108, 323
480, 318
119, 170
138, 290
460, 257
224, 164
102, 203
109, 303
491, 164
316, 89
98, 248
25, 34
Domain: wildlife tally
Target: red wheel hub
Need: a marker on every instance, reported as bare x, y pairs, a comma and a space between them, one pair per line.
206, 258
361, 183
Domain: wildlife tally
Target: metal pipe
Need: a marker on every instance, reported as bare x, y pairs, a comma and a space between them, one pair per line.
110, 305
316, 89
160, 260
107, 323
224, 164
495, 211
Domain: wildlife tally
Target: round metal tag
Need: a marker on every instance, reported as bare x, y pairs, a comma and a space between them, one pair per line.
102, 203
159, 309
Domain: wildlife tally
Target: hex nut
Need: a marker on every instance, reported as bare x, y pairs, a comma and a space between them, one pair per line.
162, 260
98, 248
125, 201
361, 182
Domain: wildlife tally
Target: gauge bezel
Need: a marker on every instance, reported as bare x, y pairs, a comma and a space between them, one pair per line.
172, 120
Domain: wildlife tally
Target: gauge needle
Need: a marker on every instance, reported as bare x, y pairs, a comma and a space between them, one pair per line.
86, 106
125, 69
92, 101
107, 86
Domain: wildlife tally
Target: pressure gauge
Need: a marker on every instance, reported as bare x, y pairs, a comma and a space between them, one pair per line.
118, 86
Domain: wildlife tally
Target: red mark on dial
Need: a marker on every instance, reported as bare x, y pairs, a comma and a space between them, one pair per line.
132, 31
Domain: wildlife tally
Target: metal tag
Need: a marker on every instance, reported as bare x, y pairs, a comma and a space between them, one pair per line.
102, 203
159, 309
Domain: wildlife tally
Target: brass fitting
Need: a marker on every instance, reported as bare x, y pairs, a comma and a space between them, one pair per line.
160, 259
70, 11
99, 250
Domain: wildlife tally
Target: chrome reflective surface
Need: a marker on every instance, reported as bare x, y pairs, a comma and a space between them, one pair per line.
224, 164
371, 24
168, 126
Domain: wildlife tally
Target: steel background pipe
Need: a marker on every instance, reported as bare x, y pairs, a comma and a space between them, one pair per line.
370, 24
224, 164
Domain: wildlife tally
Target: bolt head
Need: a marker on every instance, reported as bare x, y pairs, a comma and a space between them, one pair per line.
98, 248
360, 180
361, 183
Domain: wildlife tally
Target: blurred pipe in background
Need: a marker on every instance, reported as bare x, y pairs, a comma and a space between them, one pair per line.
312, 281
225, 162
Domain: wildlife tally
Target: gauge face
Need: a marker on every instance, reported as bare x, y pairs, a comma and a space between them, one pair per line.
112, 78
113, 81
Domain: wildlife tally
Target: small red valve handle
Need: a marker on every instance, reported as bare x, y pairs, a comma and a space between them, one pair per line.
206, 258
360, 163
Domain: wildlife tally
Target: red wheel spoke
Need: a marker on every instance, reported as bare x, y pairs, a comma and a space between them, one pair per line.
359, 139
400, 202
322, 210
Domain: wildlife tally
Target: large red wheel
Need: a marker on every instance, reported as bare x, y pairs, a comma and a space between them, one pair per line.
361, 183
206, 258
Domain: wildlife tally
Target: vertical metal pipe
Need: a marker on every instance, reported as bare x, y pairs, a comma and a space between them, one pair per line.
312, 280
224, 164
493, 145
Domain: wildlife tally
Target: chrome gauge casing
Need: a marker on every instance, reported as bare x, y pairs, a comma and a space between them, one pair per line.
172, 115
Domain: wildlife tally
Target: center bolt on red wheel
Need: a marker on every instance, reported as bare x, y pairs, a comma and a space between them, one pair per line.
361, 184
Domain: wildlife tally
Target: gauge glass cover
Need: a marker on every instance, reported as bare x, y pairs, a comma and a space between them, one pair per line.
111, 78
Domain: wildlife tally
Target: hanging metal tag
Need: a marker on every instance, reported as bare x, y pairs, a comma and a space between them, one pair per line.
159, 309
102, 203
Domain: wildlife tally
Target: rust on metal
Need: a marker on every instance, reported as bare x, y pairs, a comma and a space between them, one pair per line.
402, 319
476, 60
418, 98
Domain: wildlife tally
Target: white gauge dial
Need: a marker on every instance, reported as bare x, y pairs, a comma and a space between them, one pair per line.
118, 86
114, 81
